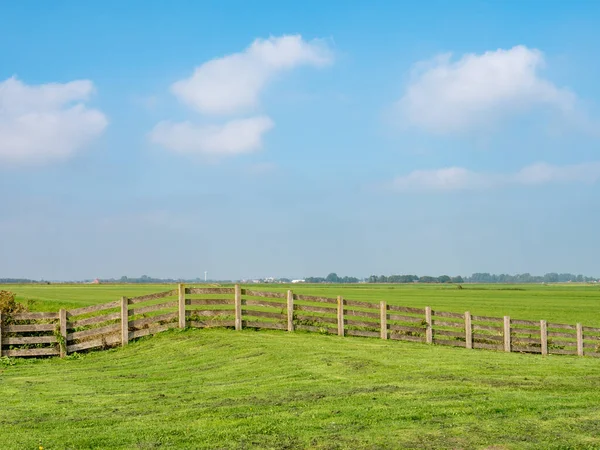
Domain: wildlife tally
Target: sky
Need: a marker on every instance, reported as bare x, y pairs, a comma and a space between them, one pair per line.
293, 139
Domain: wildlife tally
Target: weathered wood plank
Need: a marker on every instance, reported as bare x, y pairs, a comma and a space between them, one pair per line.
362, 333
356, 313
199, 291
565, 343
357, 304
468, 331
443, 323
26, 328
429, 329
506, 333
407, 329
361, 323
340, 316
487, 328
147, 297
152, 330
209, 312
313, 298
94, 320
209, 301
320, 319
591, 329
29, 340
94, 308
486, 319
35, 316
448, 314
265, 304
449, 333
515, 330
237, 299
124, 321
544, 337
269, 315
559, 334
488, 337
62, 346
31, 352
154, 319
106, 341
400, 318
109, 329
407, 309
290, 310
317, 309
265, 294
523, 340
152, 308
562, 326
579, 339
181, 305
524, 322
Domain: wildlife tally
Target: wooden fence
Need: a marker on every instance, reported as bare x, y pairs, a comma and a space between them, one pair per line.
116, 323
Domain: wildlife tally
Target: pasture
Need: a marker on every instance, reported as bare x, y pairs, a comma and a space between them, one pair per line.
561, 303
218, 388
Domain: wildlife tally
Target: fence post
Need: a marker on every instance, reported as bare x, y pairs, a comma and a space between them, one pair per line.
124, 321
0, 334
544, 336
340, 315
383, 319
63, 332
290, 310
182, 306
468, 331
507, 333
238, 307
579, 340
429, 329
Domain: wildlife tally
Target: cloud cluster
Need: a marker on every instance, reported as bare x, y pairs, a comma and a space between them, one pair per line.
460, 179
232, 85
476, 91
46, 122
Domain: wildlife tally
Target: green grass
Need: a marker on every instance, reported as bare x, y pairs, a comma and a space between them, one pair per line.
226, 389
555, 303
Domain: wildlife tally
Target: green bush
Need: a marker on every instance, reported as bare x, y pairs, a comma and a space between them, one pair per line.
9, 304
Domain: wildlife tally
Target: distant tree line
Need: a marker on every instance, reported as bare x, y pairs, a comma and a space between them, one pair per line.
484, 278
331, 278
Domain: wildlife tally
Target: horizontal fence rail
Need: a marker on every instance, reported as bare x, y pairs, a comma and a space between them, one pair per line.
116, 323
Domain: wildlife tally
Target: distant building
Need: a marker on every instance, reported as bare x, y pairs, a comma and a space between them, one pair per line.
297, 281
96, 281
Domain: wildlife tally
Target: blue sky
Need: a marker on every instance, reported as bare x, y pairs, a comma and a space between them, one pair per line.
296, 139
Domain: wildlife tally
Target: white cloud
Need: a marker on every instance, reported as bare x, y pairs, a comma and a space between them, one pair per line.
46, 122
233, 83
458, 178
448, 96
232, 138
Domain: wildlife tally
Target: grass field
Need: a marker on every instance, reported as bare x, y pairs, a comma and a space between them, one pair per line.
217, 388
555, 303
226, 389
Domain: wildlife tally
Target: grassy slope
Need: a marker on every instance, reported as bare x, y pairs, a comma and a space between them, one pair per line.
555, 303
226, 389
